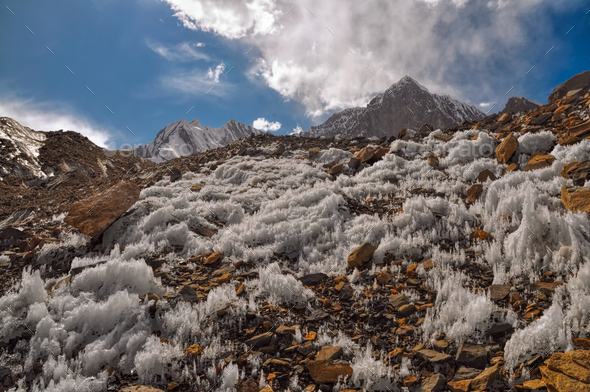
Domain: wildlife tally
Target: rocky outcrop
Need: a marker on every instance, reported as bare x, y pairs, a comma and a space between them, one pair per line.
567, 372
519, 104
96, 213
579, 81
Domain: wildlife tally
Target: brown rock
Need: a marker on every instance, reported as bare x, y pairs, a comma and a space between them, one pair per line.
531, 385
546, 288
248, 385
434, 357
505, 149
539, 161
512, 167
443, 137
398, 300
433, 383
485, 175
459, 386
479, 234
380, 153
576, 199
267, 388
581, 342
327, 372
383, 277
577, 171
559, 382
472, 355
499, 291
485, 379
568, 140
172, 386
225, 278
284, 330
581, 130
567, 364
312, 151
474, 192
260, 340
433, 161
193, 351
354, 163
213, 258
204, 231
335, 169
409, 380
361, 255
365, 154
407, 310
95, 214
140, 388
328, 353
195, 188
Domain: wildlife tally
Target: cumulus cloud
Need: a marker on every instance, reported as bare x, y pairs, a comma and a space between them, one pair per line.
264, 125
213, 74
48, 117
340, 53
180, 52
297, 130
485, 105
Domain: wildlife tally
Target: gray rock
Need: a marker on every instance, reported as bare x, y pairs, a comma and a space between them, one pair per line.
473, 355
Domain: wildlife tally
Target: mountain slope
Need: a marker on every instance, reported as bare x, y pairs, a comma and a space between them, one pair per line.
182, 138
19, 147
406, 104
520, 104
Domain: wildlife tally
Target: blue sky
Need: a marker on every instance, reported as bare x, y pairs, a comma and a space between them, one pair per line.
151, 61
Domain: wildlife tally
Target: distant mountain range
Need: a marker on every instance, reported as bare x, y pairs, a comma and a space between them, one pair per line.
182, 138
406, 104
520, 104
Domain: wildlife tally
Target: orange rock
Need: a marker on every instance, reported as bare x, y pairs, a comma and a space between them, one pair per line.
512, 167
195, 188
459, 386
479, 234
361, 255
576, 199
534, 384
223, 278
505, 149
383, 277
409, 380
539, 161
365, 154
427, 264
582, 342
326, 372
213, 258
193, 350
485, 379
411, 271
311, 336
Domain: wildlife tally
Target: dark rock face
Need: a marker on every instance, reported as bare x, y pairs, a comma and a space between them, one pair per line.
579, 81
405, 104
519, 104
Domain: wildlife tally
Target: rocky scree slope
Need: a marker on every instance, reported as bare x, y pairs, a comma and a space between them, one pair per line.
451, 260
406, 104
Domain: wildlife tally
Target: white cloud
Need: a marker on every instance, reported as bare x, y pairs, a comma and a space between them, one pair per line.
213, 74
48, 117
485, 105
470, 49
264, 125
180, 52
297, 130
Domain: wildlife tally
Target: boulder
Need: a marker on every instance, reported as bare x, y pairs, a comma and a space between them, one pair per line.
93, 215
312, 151
577, 171
175, 174
505, 149
576, 199
365, 154
361, 255
260, 340
433, 383
354, 163
485, 379
434, 357
567, 371
539, 161
472, 355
